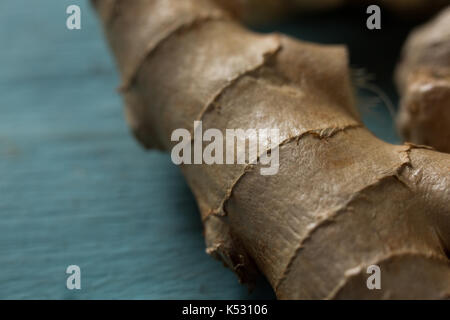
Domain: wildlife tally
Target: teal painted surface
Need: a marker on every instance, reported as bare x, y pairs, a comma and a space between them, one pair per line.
76, 189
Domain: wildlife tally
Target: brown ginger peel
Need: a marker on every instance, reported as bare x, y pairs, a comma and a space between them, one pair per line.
423, 79
342, 199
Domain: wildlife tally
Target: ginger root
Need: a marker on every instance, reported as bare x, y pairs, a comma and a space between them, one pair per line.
342, 200
423, 79
256, 12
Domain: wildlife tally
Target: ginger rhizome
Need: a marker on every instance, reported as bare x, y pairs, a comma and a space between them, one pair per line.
423, 79
341, 201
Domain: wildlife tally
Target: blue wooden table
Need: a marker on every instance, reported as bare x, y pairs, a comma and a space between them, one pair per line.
76, 189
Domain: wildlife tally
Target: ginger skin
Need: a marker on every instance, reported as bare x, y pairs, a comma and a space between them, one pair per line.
423, 79
342, 200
